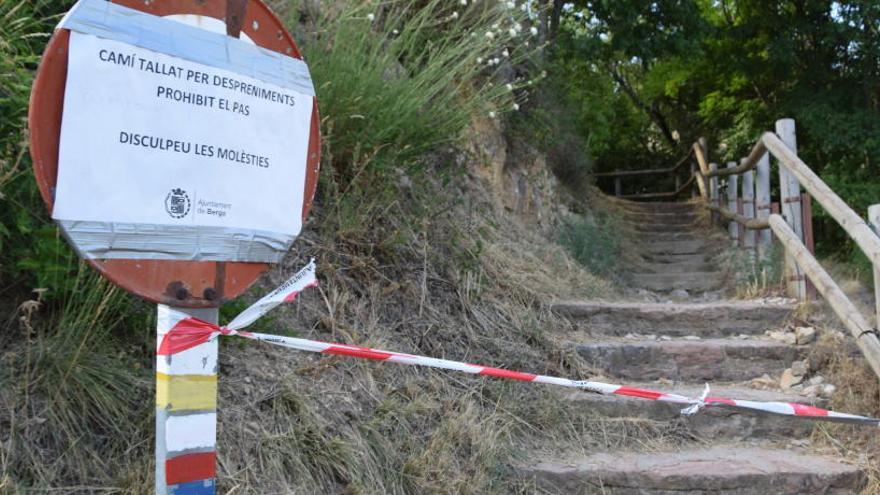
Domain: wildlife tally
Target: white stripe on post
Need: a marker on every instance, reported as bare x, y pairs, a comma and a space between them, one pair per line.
191, 432
762, 201
732, 189
790, 197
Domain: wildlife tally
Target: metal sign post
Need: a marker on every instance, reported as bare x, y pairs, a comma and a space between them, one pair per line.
153, 127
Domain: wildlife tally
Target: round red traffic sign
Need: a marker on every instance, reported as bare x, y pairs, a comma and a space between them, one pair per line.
174, 282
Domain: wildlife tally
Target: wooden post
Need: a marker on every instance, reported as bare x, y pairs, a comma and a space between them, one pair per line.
713, 192
741, 230
790, 199
807, 213
874, 221
748, 195
617, 186
186, 410
762, 201
732, 189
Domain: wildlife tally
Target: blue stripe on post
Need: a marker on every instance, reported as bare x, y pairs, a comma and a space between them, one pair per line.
200, 487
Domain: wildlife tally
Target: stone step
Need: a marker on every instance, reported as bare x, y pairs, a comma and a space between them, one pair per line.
677, 267
723, 469
690, 281
661, 207
675, 247
711, 423
692, 214
677, 258
649, 226
714, 319
653, 237
689, 360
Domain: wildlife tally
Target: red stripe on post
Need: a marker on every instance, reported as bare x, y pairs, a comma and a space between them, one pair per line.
186, 334
513, 375
190, 467
804, 410
638, 392
361, 352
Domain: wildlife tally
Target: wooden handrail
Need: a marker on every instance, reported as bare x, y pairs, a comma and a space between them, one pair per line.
670, 194
864, 333
749, 223
804, 262
851, 222
652, 171
750, 162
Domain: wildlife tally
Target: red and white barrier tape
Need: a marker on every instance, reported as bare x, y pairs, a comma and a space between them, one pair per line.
190, 332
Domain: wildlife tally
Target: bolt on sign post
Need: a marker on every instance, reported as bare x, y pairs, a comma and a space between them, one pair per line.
176, 144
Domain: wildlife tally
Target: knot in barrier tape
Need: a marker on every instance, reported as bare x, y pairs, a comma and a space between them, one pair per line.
697, 404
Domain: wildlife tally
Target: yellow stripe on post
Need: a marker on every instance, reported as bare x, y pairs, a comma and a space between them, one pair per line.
186, 392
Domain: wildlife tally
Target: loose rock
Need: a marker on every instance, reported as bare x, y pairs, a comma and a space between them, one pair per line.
812, 391
763, 382
828, 390
805, 335
788, 338
789, 379
679, 294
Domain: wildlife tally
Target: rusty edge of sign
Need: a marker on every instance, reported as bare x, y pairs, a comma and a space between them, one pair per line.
105, 240
115, 22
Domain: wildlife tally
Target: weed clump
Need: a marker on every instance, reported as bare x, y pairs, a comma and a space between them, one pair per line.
71, 383
594, 244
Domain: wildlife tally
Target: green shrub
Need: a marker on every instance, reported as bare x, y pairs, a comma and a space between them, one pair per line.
396, 80
594, 245
32, 254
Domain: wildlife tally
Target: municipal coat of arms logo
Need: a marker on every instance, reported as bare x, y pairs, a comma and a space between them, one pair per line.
177, 203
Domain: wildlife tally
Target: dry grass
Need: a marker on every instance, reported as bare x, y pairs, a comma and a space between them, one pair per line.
837, 357
72, 396
858, 391
467, 283
473, 286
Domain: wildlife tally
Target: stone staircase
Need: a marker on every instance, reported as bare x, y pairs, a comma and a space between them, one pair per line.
678, 347
675, 251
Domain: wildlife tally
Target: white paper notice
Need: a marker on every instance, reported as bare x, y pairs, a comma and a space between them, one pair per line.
148, 138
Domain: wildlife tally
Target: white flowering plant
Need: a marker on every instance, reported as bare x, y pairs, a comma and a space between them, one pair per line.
397, 79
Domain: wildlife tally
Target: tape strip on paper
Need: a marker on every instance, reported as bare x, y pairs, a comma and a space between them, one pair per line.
106, 240
111, 21
190, 332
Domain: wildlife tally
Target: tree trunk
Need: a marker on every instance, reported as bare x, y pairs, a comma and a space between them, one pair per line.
653, 110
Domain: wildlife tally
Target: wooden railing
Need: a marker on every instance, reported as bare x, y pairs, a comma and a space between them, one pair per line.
680, 175
748, 210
